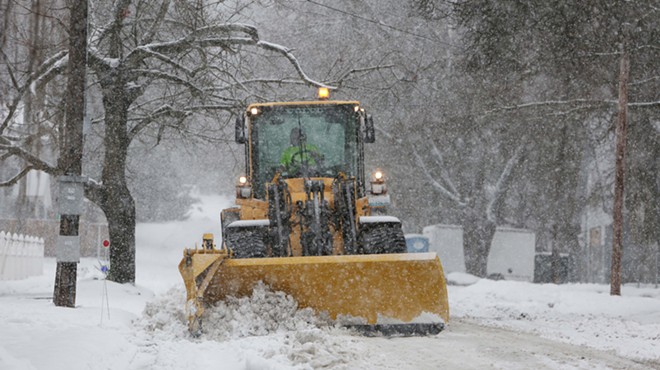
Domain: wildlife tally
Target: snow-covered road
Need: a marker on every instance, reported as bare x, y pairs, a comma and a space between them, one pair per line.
467, 345
37, 335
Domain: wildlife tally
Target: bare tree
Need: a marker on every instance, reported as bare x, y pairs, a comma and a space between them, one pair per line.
572, 50
477, 188
157, 66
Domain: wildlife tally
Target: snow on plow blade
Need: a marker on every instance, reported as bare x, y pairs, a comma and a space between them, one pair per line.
379, 293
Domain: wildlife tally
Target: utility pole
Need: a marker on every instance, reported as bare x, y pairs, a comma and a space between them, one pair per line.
617, 216
70, 161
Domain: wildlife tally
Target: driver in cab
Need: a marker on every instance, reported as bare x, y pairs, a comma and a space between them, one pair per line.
300, 153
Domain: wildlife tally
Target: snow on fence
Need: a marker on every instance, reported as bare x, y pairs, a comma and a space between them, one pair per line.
20, 256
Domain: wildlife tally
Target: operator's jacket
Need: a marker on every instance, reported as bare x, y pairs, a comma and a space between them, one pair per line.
294, 156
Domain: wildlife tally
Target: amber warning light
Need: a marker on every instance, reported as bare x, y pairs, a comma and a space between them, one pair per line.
324, 93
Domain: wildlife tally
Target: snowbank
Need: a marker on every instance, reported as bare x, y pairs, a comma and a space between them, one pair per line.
581, 314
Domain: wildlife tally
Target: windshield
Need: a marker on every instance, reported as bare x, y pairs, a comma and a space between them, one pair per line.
303, 141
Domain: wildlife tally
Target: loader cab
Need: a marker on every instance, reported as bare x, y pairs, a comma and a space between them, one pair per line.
330, 136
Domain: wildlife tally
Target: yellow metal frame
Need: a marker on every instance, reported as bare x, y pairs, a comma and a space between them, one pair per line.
310, 102
399, 287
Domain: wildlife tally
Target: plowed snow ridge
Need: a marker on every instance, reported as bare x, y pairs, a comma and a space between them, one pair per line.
302, 336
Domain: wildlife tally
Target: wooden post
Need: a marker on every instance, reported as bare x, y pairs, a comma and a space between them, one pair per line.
617, 214
71, 152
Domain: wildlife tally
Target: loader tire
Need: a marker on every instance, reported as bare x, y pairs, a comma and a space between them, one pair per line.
382, 238
247, 243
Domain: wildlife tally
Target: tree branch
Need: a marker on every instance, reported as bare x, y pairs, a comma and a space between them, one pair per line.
95, 192
162, 11
166, 76
590, 103
292, 59
640, 82
169, 61
550, 103
33, 160
503, 182
48, 69
163, 111
443, 172
14, 180
166, 111
362, 70
644, 104
448, 194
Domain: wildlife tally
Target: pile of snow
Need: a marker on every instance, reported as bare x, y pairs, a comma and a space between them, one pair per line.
263, 313
461, 278
269, 323
580, 314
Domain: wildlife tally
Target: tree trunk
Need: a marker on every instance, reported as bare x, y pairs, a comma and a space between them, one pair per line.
478, 233
617, 222
119, 209
114, 197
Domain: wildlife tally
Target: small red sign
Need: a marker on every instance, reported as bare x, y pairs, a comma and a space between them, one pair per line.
106, 243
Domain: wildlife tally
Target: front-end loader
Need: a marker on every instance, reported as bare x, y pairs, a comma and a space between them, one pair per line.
310, 223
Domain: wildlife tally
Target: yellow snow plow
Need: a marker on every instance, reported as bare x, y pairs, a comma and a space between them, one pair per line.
306, 223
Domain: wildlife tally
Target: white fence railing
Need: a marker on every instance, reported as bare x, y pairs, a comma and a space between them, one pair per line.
20, 256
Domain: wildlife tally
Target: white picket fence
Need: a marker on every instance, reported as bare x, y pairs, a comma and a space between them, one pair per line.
20, 256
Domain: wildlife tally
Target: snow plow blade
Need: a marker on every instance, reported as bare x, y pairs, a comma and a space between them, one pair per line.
375, 293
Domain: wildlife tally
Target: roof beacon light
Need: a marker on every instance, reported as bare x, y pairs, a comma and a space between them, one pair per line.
323, 93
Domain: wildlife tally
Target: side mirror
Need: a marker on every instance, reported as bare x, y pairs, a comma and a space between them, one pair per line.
369, 132
239, 129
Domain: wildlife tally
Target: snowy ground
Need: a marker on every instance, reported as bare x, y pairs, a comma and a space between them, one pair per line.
494, 324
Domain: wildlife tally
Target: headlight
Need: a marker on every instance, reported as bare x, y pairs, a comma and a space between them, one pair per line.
243, 189
378, 186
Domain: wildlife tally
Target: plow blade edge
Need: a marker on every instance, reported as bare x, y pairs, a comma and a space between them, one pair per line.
381, 289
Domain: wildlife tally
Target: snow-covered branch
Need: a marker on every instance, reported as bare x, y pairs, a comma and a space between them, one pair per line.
361, 71
443, 171
167, 111
503, 183
388, 135
640, 82
585, 103
160, 15
451, 193
17, 177
448, 194
48, 69
645, 104
228, 28
167, 60
163, 111
287, 53
34, 161
153, 73
549, 103
260, 81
